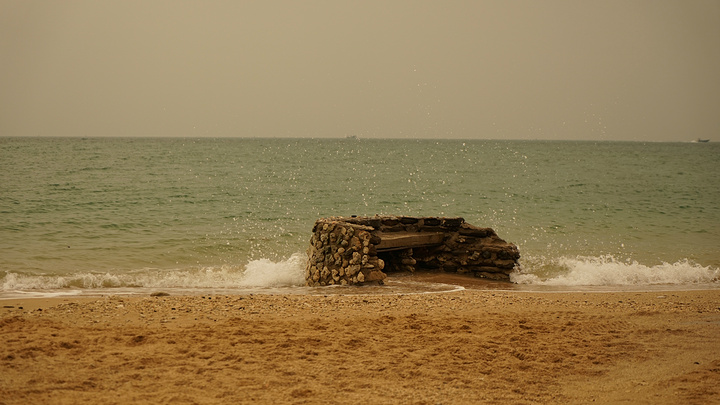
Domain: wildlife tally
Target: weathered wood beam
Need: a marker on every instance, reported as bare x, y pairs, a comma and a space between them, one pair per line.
408, 240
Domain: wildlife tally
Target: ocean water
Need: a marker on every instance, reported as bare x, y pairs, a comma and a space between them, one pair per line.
117, 214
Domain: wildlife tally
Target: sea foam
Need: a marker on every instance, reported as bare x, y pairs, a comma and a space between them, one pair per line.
257, 273
289, 272
609, 271
266, 273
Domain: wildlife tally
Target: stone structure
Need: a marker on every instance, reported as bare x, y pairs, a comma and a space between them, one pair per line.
359, 250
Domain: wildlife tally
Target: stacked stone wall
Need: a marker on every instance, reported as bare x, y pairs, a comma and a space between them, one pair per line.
349, 250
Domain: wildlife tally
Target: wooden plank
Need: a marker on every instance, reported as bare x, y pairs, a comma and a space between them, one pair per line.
406, 240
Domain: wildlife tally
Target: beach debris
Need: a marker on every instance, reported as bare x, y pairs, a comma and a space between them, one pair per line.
358, 250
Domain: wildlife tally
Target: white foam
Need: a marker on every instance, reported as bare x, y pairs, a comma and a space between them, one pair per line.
257, 273
608, 271
266, 273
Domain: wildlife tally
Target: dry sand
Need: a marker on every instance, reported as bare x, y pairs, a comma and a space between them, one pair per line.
462, 347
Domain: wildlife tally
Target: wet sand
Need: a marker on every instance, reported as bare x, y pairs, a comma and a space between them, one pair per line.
461, 347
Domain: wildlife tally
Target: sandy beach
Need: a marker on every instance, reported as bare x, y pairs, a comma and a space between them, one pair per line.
463, 347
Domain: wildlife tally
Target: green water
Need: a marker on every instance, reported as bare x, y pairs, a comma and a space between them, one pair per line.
143, 211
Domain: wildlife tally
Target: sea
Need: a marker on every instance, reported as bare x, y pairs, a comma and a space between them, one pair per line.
103, 216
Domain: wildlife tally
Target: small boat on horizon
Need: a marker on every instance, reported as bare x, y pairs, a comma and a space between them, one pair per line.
699, 140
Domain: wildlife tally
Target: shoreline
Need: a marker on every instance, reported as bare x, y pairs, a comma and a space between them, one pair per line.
399, 283
461, 347
368, 291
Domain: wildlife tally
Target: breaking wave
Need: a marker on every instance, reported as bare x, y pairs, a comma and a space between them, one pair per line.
288, 273
257, 273
609, 271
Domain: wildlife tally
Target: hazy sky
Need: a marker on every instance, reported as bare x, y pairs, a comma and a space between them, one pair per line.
605, 69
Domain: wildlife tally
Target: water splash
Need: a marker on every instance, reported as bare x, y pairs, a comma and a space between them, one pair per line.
257, 273
266, 273
609, 271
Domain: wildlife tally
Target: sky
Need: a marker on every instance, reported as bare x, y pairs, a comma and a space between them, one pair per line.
636, 70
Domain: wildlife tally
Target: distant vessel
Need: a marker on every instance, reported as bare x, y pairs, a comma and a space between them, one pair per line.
351, 137
701, 140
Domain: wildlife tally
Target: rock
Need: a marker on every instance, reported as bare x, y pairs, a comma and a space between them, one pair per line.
355, 250
355, 244
431, 221
353, 269
409, 220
